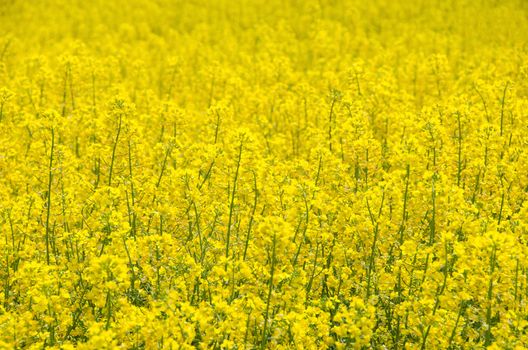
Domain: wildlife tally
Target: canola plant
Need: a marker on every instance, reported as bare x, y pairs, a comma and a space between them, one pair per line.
263, 174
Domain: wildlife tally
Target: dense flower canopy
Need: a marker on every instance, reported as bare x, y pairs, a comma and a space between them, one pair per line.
263, 174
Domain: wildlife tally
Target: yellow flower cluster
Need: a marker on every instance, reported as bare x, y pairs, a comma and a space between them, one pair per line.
263, 174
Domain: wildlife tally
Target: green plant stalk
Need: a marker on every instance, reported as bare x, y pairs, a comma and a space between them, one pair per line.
270, 290
48, 209
232, 204
114, 150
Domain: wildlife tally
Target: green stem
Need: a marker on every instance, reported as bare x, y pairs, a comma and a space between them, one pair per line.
114, 150
270, 290
232, 203
50, 179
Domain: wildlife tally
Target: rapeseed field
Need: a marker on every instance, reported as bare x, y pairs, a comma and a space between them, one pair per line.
263, 174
